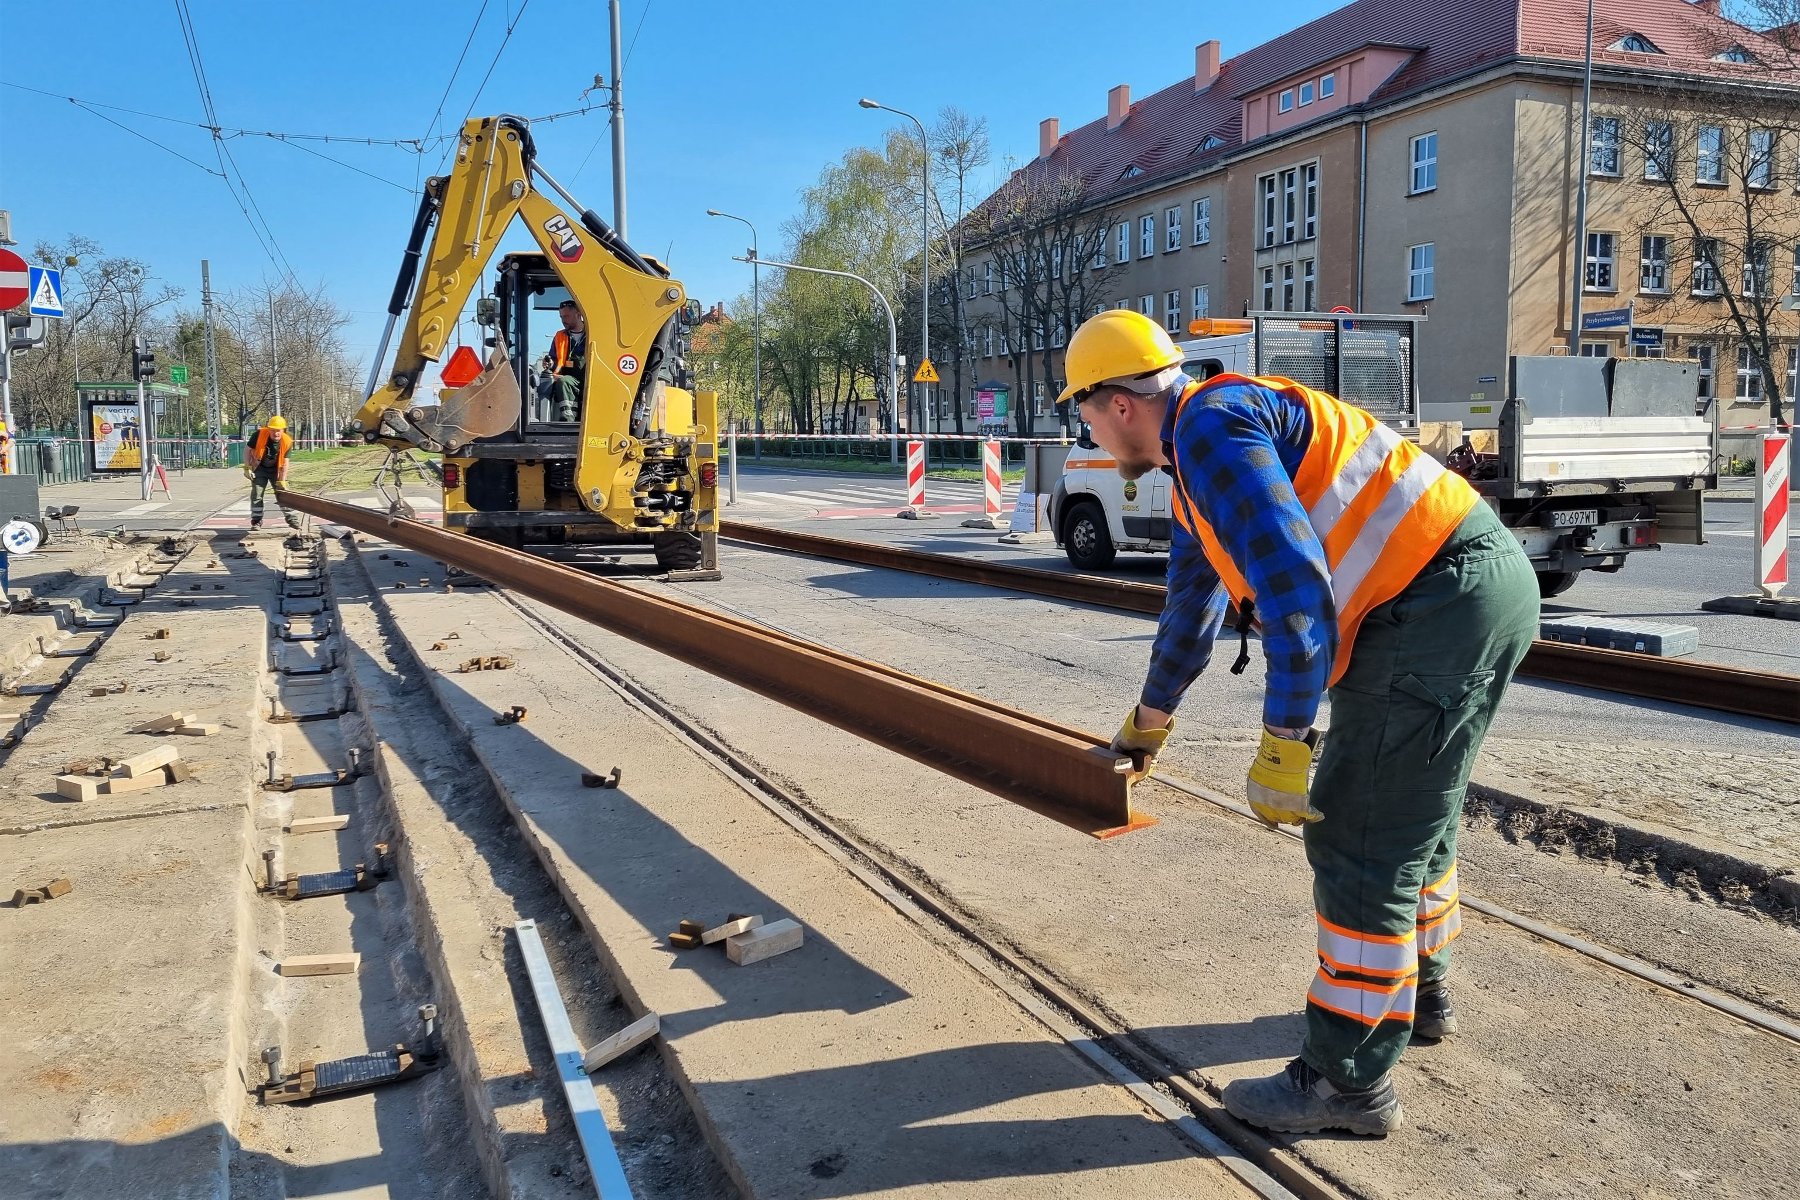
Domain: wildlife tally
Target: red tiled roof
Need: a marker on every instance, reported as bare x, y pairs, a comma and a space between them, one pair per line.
1453, 37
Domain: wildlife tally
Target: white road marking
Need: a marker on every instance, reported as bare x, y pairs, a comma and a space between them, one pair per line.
138, 510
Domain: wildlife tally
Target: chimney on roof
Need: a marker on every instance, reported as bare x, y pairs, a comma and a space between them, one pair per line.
1206, 64
1118, 105
1048, 135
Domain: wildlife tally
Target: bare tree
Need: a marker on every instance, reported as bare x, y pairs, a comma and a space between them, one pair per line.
960, 151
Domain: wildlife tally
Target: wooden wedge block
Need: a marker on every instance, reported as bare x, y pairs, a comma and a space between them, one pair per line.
729, 929
78, 787
122, 785
150, 760
319, 824
177, 772
628, 1038
766, 941
693, 928
684, 941
195, 730
164, 723
296, 965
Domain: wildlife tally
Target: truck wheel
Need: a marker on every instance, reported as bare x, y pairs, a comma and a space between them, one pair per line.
1555, 583
1086, 539
677, 551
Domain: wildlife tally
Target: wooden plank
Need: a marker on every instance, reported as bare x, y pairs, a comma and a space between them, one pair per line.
729, 929
628, 1038
78, 787
765, 942
120, 785
148, 762
195, 730
298, 965
319, 824
164, 723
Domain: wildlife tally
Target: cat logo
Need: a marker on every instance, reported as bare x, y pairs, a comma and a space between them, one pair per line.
568, 246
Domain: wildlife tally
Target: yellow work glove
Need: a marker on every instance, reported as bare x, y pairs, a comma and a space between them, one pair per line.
1142, 744
1279, 779
249, 473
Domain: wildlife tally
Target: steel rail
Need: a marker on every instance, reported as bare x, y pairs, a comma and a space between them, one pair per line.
1063, 773
1769, 695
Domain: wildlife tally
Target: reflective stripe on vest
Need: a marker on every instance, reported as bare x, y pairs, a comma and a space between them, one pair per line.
1380, 506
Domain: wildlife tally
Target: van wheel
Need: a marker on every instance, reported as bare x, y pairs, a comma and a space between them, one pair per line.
1555, 583
1089, 545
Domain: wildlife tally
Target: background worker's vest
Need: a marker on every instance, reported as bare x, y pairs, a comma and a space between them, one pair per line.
562, 351
259, 447
1381, 507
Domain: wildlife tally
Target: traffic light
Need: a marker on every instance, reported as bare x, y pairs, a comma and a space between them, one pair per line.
143, 360
19, 332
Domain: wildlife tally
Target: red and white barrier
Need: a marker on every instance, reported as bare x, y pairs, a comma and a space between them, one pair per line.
1772, 510
915, 483
990, 475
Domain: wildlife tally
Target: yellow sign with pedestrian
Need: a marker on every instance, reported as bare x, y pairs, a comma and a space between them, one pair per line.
926, 373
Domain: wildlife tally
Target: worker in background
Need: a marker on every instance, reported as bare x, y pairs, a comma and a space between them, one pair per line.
6, 450
568, 363
265, 466
1373, 572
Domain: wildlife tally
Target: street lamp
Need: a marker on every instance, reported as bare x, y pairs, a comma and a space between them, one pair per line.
886, 308
756, 319
924, 245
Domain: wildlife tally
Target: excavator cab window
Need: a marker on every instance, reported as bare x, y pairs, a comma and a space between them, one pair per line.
531, 300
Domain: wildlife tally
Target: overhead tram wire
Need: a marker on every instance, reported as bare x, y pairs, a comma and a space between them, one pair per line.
146, 137
476, 98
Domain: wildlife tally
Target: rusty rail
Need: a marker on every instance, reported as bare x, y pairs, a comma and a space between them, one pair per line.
1059, 772
1769, 695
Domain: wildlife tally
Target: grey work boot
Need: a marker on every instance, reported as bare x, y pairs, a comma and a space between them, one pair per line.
1433, 1015
1299, 1099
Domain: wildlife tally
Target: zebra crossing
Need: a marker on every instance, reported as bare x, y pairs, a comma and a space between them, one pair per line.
848, 501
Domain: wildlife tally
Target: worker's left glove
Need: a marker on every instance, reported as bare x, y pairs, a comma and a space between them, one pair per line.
1142, 744
1279, 780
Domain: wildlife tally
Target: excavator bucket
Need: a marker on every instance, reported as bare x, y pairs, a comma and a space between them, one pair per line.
488, 406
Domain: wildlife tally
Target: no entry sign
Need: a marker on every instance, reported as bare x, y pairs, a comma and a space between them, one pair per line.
15, 280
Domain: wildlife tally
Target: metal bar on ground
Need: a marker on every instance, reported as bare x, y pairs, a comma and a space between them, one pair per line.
1769, 695
590, 1123
1067, 774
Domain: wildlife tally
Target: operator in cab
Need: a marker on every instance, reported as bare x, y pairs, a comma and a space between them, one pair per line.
1376, 575
567, 363
265, 466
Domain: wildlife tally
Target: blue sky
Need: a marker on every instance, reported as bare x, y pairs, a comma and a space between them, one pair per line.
729, 106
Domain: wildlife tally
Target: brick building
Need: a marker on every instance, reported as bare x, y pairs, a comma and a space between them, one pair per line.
1420, 156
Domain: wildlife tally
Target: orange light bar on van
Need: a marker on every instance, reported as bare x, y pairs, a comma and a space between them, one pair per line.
1214, 326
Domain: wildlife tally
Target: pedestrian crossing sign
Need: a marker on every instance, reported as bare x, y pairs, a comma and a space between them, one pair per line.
46, 292
926, 373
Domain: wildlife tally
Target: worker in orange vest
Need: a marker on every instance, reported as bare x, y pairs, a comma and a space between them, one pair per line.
1375, 574
567, 363
265, 466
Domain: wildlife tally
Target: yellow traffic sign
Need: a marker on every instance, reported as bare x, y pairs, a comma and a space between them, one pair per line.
926, 373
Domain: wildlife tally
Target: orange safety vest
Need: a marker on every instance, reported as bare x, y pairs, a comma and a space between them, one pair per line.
1381, 507
560, 350
260, 443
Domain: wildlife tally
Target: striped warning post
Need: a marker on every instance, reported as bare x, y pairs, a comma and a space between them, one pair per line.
915, 483
1772, 506
990, 474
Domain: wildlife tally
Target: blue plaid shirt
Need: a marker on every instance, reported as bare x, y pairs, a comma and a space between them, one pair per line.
1236, 450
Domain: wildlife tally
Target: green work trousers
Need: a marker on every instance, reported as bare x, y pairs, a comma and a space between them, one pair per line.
1426, 673
565, 398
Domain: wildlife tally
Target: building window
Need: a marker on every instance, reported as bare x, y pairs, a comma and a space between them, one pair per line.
1287, 287
1709, 157
1793, 359
1203, 220
987, 283
1603, 146
1099, 263
1005, 343
1147, 305
987, 341
1172, 311
1795, 286
1060, 335
1595, 350
1735, 54
1266, 192
1600, 262
1309, 285
1268, 289
1703, 354
1421, 271
1760, 170
1287, 100
1290, 204
1328, 86
1653, 265
1146, 235
1659, 151
1635, 43
1122, 251
1037, 336
1306, 93
1424, 163
1756, 270
1202, 302
1749, 375
1706, 267
1056, 261
1172, 230
1309, 186
1122, 304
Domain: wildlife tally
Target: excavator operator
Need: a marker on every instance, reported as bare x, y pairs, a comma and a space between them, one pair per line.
568, 363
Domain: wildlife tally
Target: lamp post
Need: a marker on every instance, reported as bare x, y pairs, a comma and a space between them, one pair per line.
924, 245
755, 318
893, 338
1584, 150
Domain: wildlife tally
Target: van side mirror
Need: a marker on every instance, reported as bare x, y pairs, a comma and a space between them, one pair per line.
1085, 438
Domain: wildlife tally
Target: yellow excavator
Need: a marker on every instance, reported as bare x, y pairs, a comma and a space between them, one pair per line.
638, 464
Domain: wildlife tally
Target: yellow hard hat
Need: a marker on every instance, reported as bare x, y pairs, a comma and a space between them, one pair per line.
278, 423
1119, 343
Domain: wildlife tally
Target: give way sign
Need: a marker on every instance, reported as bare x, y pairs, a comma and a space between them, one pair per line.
15, 280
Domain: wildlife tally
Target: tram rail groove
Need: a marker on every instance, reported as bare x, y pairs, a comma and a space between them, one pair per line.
1767, 695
